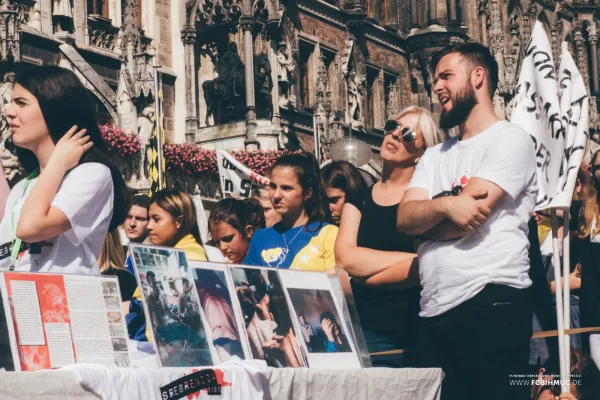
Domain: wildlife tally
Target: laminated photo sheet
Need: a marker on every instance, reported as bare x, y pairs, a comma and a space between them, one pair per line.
59, 320
267, 320
319, 316
340, 284
171, 306
222, 320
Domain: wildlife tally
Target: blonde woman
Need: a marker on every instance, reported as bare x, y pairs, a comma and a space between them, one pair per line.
373, 252
112, 262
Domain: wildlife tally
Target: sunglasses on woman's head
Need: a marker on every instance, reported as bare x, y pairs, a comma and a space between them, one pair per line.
408, 134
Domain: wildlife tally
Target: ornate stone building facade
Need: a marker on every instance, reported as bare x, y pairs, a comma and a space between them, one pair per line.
328, 67
274, 73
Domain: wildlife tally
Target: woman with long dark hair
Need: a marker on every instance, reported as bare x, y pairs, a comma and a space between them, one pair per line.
57, 218
304, 238
173, 223
343, 183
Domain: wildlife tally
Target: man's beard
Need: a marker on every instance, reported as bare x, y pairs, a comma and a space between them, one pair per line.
461, 108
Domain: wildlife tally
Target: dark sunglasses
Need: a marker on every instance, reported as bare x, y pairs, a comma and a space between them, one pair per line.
408, 134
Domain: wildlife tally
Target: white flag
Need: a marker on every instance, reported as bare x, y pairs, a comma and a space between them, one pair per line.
237, 179
554, 111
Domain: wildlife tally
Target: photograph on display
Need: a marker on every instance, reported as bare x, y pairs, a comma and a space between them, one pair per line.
268, 322
320, 324
218, 312
58, 320
172, 307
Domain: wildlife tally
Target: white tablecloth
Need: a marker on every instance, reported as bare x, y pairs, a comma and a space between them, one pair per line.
276, 384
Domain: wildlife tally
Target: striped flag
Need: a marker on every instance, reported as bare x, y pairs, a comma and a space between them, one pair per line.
157, 160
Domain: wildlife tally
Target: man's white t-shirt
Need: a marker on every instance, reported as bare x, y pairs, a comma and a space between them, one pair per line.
86, 197
454, 271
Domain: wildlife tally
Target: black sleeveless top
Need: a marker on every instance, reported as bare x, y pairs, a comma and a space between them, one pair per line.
392, 314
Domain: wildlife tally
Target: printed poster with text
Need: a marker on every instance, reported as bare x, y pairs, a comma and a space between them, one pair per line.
58, 320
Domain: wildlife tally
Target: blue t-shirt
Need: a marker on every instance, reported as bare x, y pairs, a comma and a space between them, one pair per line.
308, 247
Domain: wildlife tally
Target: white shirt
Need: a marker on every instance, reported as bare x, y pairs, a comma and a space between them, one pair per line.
85, 196
454, 271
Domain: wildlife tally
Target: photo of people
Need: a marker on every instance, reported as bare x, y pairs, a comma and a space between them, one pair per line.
112, 303
119, 344
218, 309
267, 318
319, 321
109, 289
114, 317
173, 309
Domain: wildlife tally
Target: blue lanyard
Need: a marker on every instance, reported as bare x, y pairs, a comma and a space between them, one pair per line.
16, 242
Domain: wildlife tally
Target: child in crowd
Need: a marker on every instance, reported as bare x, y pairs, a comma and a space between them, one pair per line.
304, 238
232, 223
172, 223
343, 183
271, 216
57, 218
112, 262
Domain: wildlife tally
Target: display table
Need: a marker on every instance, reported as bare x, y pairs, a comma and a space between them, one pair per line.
286, 383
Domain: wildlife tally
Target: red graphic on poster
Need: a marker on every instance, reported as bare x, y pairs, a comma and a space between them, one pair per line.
53, 305
220, 375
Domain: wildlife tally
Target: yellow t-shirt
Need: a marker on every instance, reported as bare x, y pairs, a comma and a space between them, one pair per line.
309, 247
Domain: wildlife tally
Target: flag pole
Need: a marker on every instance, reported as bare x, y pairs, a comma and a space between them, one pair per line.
567, 288
158, 122
559, 303
317, 140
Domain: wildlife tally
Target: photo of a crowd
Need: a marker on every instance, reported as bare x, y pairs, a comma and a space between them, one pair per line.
218, 311
320, 323
173, 310
267, 318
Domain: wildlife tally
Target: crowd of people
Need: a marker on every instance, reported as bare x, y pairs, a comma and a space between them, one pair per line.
447, 259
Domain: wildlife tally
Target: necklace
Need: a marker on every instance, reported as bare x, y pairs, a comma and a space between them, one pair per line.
294, 238
284, 252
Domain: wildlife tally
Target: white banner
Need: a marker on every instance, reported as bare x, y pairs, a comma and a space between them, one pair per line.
236, 179
554, 111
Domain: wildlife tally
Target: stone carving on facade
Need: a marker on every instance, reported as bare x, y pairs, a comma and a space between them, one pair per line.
581, 56
496, 34
102, 34
5, 99
393, 96
555, 40
23, 8
354, 97
36, 19
10, 35
285, 70
213, 12
346, 54
10, 162
62, 14
263, 85
323, 92
145, 128
224, 95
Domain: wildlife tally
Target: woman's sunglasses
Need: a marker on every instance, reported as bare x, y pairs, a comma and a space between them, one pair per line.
408, 134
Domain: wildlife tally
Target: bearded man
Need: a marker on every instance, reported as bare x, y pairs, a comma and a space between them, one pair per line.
470, 200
